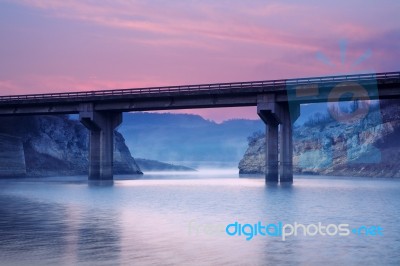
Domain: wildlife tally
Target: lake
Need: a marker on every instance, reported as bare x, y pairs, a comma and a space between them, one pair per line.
181, 219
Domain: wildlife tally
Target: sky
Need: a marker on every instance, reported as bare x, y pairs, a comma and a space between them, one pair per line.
57, 46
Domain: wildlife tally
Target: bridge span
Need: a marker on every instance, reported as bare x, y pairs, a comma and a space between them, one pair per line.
278, 103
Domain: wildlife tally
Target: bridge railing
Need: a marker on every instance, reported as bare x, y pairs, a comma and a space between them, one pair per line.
270, 84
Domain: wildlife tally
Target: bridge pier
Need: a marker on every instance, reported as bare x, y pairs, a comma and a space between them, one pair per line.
289, 115
274, 114
101, 142
271, 175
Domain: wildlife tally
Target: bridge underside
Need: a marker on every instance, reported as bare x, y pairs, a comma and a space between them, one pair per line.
278, 118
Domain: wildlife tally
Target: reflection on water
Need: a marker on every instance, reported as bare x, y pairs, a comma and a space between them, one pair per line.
178, 219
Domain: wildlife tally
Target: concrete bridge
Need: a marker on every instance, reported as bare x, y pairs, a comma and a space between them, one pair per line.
277, 102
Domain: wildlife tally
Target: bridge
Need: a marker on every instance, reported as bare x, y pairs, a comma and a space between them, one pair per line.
277, 101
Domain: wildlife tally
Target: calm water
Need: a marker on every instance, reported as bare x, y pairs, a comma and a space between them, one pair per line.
176, 220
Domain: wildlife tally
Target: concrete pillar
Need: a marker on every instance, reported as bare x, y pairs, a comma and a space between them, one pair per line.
289, 115
94, 154
110, 122
271, 141
101, 147
286, 149
275, 114
270, 112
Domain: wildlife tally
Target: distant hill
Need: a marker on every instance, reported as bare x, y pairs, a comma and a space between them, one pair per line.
187, 138
152, 165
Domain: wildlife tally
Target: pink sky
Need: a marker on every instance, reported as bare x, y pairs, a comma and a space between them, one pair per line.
52, 46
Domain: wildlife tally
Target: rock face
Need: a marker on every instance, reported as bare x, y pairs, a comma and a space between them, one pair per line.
368, 146
124, 163
253, 161
57, 145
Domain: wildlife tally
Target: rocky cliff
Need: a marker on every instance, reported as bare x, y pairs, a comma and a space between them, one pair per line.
369, 146
54, 145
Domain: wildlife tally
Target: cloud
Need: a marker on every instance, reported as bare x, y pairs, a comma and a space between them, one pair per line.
8, 87
203, 20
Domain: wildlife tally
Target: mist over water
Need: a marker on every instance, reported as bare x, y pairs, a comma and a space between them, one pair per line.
202, 172
166, 219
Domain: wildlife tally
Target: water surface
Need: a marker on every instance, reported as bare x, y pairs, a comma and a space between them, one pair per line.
176, 219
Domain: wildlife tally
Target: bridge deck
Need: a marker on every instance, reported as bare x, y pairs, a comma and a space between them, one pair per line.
197, 96
200, 88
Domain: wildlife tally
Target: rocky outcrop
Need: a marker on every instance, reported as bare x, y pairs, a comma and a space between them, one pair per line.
365, 147
57, 145
124, 163
253, 161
